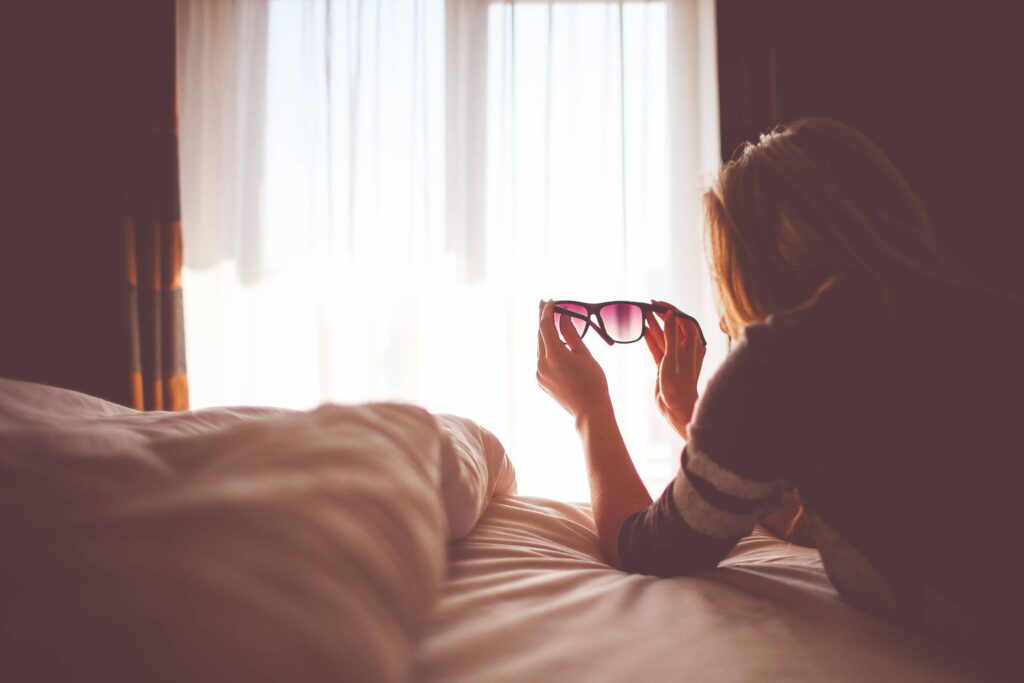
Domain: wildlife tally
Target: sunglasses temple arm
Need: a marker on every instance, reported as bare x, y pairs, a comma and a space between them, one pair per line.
666, 309
590, 324
571, 314
608, 340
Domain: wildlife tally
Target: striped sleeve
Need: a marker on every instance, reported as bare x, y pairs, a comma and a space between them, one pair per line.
733, 470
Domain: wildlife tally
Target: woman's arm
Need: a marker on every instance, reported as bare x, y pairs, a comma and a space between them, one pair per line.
616, 491
572, 377
731, 472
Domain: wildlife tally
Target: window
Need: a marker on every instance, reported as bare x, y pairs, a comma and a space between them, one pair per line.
377, 194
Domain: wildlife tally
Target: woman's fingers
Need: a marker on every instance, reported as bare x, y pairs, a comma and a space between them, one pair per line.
689, 329
691, 341
654, 328
669, 308
675, 336
655, 337
656, 353
571, 336
684, 332
672, 339
552, 344
541, 346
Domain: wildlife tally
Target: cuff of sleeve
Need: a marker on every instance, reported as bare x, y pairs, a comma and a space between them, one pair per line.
624, 543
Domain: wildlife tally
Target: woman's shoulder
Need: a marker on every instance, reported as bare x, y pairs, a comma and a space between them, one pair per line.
777, 356
851, 310
854, 328
844, 312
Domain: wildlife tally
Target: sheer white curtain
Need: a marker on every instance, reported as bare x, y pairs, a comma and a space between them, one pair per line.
376, 194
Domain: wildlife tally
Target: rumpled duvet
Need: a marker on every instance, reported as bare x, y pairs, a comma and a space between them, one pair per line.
227, 544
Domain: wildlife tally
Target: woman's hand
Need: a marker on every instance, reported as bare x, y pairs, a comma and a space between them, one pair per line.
567, 371
679, 354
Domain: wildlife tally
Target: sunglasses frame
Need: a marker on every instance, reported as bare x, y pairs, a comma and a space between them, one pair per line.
594, 319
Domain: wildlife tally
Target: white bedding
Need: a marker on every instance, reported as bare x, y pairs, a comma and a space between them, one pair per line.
343, 544
227, 545
528, 598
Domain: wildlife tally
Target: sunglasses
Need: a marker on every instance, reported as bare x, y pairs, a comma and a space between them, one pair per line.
618, 322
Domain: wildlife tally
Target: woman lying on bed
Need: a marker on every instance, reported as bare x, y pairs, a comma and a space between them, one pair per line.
866, 375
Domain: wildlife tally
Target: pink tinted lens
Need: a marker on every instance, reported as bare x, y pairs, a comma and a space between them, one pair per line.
624, 323
580, 324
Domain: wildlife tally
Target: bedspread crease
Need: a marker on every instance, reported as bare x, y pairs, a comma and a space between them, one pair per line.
228, 544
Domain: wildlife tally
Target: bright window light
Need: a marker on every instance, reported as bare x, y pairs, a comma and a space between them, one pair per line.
351, 281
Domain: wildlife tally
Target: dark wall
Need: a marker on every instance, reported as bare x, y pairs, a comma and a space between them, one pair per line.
936, 84
71, 102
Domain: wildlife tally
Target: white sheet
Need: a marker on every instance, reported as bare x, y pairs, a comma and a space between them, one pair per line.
267, 545
228, 544
528, 598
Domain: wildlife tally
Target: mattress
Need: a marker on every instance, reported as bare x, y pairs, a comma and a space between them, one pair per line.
528, 597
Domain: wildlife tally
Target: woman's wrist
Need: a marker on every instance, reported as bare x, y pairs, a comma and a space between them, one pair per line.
677, 418
596, 412
684, 408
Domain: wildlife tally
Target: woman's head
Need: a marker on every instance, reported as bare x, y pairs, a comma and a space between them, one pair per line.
808, 204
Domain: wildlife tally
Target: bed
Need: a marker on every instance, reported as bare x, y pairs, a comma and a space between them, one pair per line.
374, 542
528, 597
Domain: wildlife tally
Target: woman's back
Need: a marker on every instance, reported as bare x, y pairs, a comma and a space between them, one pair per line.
896, 417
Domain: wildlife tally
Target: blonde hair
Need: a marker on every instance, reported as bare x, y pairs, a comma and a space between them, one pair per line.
807, 205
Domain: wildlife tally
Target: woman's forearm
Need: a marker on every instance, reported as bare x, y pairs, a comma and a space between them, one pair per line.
616, 490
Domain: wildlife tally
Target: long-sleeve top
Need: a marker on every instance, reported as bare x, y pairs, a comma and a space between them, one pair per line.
896, 418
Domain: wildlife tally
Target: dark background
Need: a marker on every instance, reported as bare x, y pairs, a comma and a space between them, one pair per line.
936, 84
75, 96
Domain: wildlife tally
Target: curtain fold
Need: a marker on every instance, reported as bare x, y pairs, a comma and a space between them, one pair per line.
428, 170
151, 233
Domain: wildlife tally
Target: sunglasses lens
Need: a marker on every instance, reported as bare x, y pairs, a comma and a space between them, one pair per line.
623, 322
581, 324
